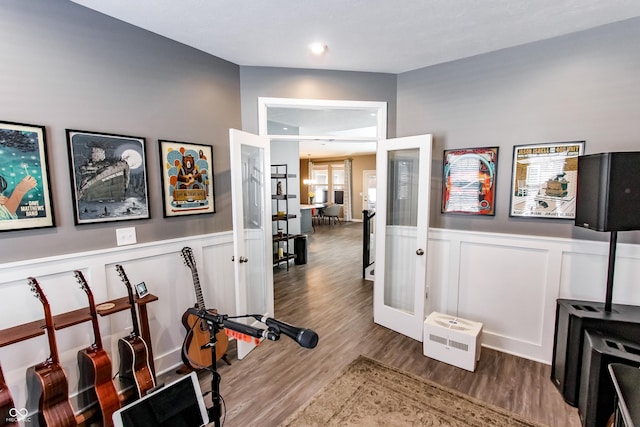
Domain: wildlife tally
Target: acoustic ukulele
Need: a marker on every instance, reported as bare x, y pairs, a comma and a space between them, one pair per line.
47, 386
196, 351
95, 382
134, 354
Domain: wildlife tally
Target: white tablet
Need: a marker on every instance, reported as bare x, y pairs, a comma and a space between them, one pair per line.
179, 404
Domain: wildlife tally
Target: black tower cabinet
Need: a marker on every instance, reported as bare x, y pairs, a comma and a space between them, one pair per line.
597, 395
572, 318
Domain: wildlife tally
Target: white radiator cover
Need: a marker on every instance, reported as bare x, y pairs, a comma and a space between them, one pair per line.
452, 340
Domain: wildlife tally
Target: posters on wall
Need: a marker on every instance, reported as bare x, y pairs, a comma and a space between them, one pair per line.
544, 180
469, 181
25, 199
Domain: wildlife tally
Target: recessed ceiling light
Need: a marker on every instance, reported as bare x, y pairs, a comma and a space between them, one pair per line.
318, 48
285, 128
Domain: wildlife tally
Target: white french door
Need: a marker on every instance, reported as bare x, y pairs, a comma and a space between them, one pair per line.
402, 222
251, 205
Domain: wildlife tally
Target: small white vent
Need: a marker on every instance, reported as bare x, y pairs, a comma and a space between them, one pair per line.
438, 339
458, 345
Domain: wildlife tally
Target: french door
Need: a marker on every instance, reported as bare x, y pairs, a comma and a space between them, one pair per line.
402, 222
251, 206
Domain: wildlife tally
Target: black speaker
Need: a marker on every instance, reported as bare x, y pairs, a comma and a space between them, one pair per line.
608, 194
597, 395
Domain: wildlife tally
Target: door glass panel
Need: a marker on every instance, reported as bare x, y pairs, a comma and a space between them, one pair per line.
401, 229
253, 213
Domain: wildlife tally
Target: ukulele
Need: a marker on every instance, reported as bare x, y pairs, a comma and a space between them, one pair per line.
95, 381
6, 401
196, 352
47, 386
134, 354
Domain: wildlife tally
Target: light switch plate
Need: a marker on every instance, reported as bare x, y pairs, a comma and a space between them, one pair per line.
126, 236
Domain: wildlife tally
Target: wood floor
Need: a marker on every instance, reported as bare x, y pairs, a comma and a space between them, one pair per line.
329, 296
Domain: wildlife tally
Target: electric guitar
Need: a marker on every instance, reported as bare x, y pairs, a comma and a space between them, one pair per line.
6, 401
95, 381
134, 354
196, 352
47, 386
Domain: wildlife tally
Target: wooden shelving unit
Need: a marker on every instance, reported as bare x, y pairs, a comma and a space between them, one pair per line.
61, 321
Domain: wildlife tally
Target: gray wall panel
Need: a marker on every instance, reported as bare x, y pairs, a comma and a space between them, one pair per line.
65, 66
583, 86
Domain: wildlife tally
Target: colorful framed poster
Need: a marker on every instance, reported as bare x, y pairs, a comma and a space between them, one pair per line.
187, 178
108, 177
25, 194
469, 181
544, 180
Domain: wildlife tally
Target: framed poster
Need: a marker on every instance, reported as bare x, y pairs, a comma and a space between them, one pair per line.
469, 181
25, 195
544, 180
187, 178
108, 177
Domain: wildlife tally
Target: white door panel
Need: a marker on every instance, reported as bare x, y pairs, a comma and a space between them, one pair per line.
250, 169
402, 222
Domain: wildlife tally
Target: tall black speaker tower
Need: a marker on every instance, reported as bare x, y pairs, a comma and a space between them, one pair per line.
608, 196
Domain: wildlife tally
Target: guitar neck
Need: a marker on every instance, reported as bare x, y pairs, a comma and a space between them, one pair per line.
196, 285
92, 309
132, 303
48, 318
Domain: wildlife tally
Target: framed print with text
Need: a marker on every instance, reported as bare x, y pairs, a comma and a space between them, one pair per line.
25, 196
469, 181
187, 178
544, 180
108, 177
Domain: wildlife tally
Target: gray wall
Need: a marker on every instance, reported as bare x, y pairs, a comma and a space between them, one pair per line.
585, 86
314, 84
65, 66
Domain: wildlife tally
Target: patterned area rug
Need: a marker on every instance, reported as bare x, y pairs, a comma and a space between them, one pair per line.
369, 393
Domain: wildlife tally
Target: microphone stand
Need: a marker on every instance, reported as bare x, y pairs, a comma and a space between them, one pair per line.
216, 323
215, 411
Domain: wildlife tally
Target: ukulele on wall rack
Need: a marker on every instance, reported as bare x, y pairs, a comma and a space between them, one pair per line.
47, 386
95, 382
195, 350
134, 354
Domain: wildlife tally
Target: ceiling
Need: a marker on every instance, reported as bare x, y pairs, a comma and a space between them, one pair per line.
386, 36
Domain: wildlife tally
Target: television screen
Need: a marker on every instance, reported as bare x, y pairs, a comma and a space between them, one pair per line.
179, 404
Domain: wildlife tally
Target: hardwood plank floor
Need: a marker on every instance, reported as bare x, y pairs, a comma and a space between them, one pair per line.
329, 296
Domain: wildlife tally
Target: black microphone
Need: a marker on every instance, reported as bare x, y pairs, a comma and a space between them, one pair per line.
305, 337
234, 326
250, 330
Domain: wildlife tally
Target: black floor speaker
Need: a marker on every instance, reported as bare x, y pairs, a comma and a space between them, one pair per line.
596, 401
608, 193
572, 318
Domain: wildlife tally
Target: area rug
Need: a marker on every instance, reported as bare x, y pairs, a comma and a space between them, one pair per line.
369, 393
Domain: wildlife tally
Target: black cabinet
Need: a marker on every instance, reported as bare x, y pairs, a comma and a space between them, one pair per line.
572, 319
597, 395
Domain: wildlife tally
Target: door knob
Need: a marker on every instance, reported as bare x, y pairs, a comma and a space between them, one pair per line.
243, 259
419, 252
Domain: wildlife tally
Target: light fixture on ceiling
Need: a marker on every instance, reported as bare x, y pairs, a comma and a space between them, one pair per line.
318, 48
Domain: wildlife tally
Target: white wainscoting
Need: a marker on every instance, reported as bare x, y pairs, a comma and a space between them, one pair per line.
510, 283
158, 264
